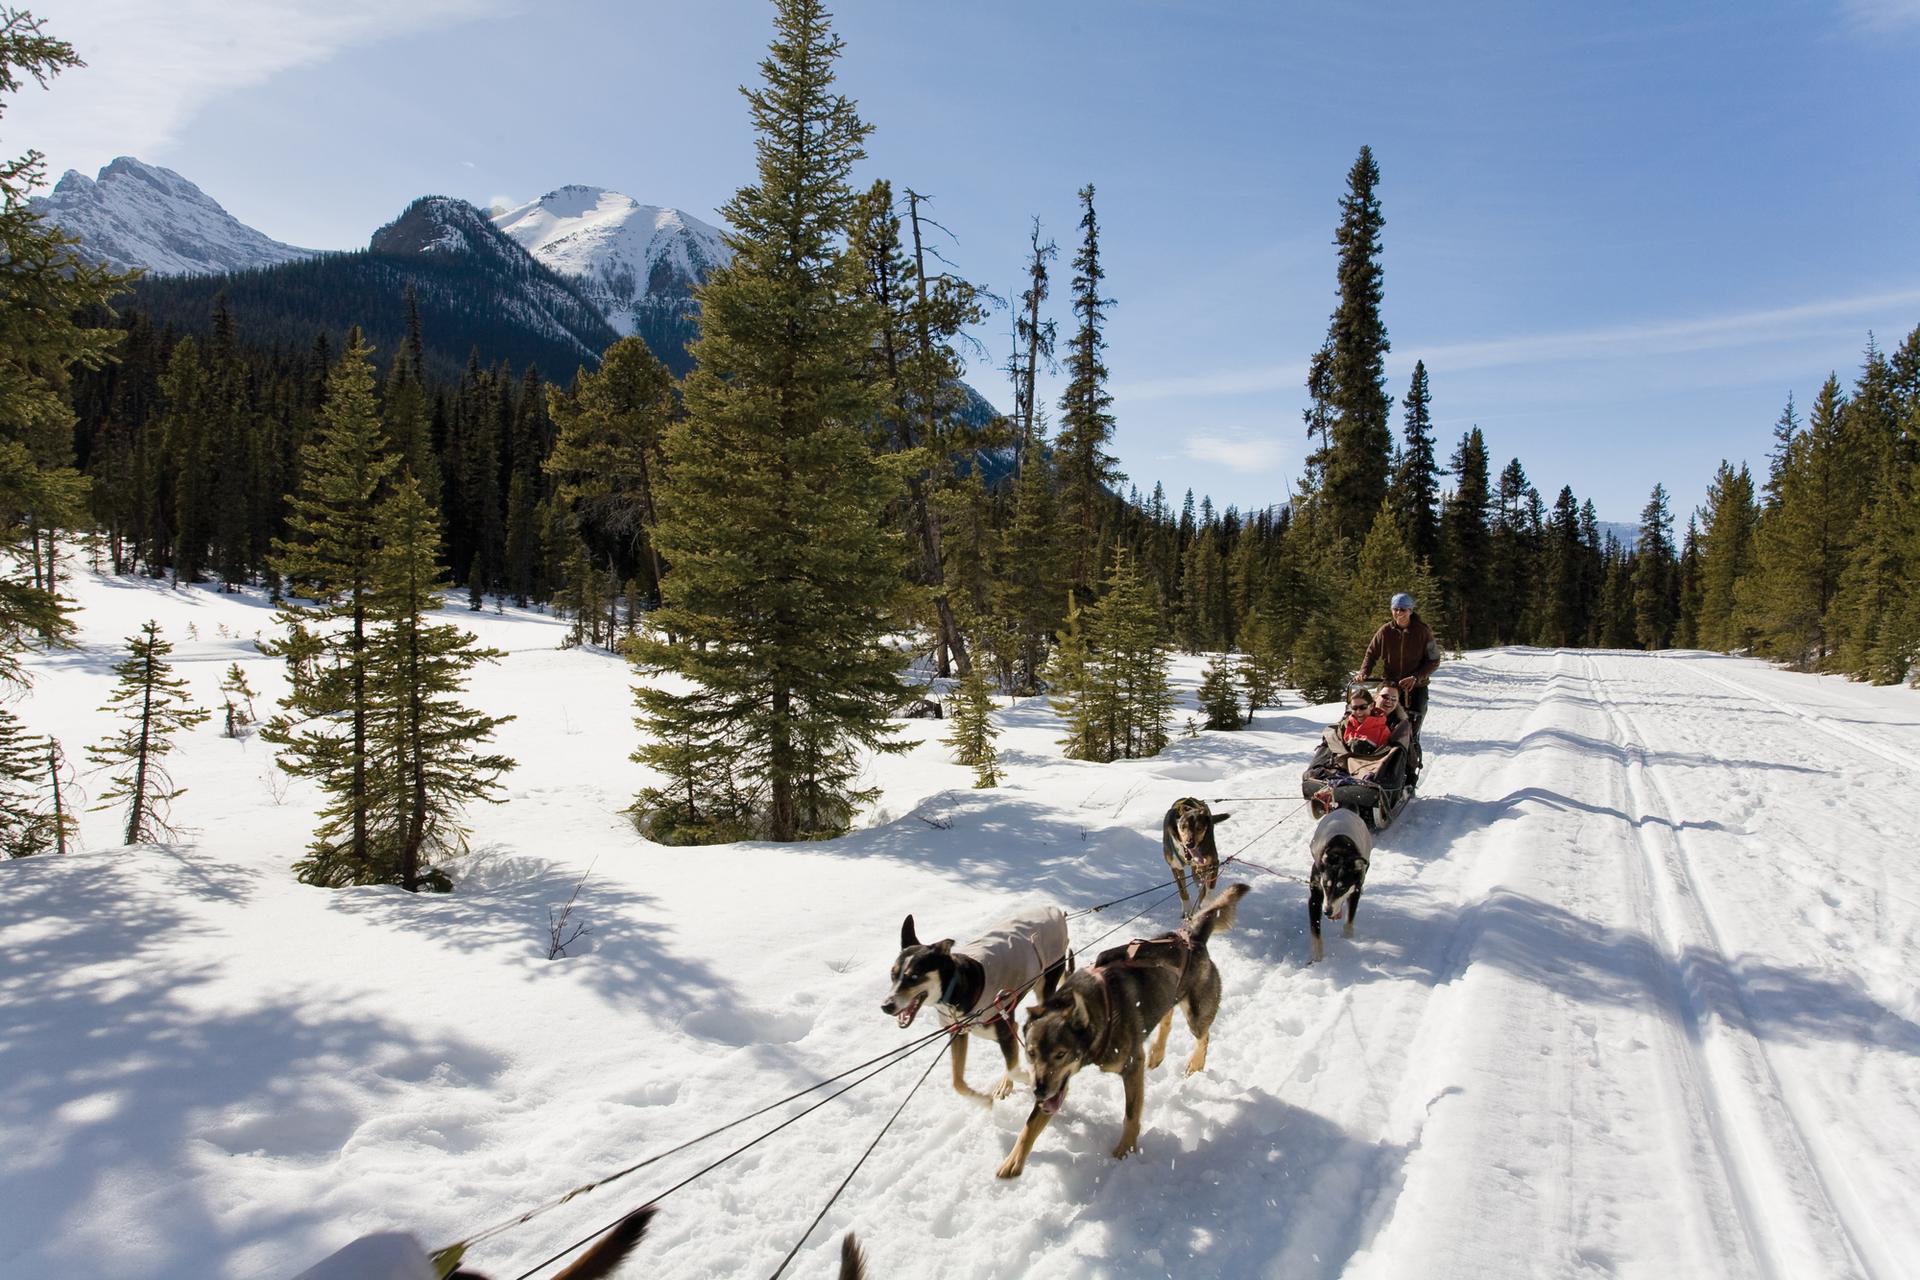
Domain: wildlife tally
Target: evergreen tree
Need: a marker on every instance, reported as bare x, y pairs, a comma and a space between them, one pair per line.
238, 700
1799, 551
1030, 587
329, 557
1688, 589
1033, 349
1416, 483
1259, 669
606, 460
25, 827
48, 285
1360, 439
1464, 538
426, 745
1562, 620
1075, 692
1112, 687
1654, 595
1086, 467
917, 372
1384, 567
1220, 694
1511, 552
154, 702
972, 732
405, 406
785, 581
1726, 556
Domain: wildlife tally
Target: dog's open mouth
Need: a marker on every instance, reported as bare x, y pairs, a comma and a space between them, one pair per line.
905, 1016
1051, 1105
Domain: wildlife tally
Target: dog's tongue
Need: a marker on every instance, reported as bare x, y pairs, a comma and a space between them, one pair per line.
1051, 1105
905, 1017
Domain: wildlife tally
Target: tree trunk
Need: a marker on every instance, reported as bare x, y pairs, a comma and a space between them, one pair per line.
950, 638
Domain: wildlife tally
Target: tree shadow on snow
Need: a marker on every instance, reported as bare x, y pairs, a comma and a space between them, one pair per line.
116, 1076
503, 904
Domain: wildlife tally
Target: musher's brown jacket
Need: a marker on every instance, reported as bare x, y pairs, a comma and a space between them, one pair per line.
1401, 652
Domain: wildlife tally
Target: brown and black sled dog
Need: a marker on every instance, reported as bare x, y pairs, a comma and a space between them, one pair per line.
1186, 842
1101, 1016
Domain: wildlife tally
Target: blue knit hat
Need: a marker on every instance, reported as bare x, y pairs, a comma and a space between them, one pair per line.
1401, 601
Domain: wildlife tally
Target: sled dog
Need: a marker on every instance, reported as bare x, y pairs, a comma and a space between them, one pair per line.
1186, 842
983, 980
1101, 1017
1342, 847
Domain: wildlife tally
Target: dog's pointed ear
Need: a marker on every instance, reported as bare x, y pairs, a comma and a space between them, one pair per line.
907, 936
944, 946
1080, 1017
1219, 818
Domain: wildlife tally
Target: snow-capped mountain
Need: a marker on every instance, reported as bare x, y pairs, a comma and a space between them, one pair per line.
444, 232
140, 215
638, 263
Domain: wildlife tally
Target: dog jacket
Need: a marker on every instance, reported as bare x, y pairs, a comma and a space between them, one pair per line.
1013, 954
1343, 822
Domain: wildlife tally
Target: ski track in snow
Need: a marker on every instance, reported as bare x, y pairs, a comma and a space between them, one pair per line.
1630, 995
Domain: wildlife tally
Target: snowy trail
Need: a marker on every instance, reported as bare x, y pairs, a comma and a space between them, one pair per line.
1630, 995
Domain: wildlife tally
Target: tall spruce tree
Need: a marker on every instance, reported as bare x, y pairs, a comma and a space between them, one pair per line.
1033, 339
1464, 538
1655, 589
785, 580
1726, 556
1416, 482
1360, 440
1799, 551
328, 557
427, 746
154, 703
1086, 467
1562, 619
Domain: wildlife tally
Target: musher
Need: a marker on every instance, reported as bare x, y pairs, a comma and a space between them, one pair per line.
1406, 653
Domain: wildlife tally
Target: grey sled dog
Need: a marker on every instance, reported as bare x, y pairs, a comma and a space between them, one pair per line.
985, 978
1101, 1015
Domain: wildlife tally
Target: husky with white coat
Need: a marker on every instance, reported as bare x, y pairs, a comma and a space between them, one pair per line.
1342, 849
979, 984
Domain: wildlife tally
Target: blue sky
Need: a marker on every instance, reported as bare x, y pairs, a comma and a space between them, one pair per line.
1619, 235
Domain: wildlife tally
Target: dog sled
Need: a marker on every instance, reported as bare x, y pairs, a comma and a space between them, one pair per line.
1372, 782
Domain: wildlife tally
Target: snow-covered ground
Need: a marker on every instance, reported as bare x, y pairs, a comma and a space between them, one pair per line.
1631, 995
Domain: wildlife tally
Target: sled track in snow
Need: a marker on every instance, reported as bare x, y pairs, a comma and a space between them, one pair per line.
1795, 1205
1841, 733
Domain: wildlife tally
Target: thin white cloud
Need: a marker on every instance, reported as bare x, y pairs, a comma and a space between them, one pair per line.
1237, 450
152, 65
1615, 343
1881, 15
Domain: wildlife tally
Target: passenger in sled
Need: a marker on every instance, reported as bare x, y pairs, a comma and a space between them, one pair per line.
1361, 760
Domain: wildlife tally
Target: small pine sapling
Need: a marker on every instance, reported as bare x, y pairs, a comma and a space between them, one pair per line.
238, 695
154, 702
973, 731
1219, 696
